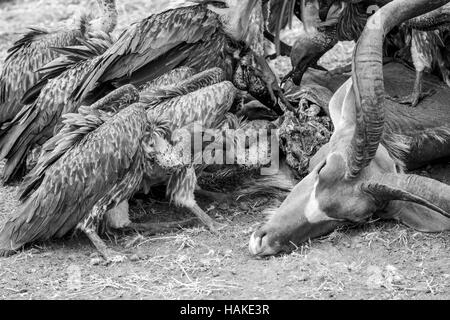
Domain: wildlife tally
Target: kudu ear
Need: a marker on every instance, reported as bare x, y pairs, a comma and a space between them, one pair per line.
426, 202
332, 170
319, 157
416, 217
388, 193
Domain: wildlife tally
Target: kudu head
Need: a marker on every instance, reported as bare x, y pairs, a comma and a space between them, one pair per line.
356, 177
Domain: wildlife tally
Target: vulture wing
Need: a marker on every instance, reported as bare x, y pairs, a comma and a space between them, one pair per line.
170, 78
36, 122
154, 46
27, 55
204, 98
76, 127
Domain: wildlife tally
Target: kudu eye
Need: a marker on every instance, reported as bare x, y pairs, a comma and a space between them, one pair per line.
372, 9
218, 4
321, 166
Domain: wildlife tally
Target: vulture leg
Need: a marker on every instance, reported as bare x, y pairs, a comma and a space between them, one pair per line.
418, 94
181, 191
88, 226
210, 223
423, 52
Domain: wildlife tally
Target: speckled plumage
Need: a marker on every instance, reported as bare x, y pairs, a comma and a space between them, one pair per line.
170, 78
28, 55
34, 50
203, 98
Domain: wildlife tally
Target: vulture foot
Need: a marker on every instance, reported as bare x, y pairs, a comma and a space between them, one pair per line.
414, 98
112, 257
210, 223
418, 93
108, 254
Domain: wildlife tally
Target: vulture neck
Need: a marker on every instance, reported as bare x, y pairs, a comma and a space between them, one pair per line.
108, 19
257, 25
236, 19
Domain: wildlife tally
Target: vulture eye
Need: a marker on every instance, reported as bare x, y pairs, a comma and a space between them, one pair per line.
372, 9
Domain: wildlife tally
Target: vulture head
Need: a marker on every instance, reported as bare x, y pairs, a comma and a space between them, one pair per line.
234, 15
308, 49
158, 147
254, 75
107, 19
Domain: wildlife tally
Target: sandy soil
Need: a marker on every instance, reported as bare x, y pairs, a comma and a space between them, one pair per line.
377, 261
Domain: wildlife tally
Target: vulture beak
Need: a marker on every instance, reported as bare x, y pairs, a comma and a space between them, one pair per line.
272, 85
332, 14
299, 70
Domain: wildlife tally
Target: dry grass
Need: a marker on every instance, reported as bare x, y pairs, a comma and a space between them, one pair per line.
377, 261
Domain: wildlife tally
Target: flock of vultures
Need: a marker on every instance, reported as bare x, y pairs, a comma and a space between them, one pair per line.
87, 120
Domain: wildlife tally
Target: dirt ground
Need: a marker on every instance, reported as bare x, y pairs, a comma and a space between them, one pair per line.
377, 261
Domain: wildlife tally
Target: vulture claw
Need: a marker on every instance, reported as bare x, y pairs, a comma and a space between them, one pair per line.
209, 222
113, 257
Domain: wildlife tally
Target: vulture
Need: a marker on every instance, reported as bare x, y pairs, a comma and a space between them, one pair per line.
34, 50
199, 102
202, 36
96, 161
108, 151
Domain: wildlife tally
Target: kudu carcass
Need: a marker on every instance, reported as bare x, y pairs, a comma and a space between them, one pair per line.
357, 176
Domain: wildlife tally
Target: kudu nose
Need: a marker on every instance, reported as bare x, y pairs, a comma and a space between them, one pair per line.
255, 244
259, 244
